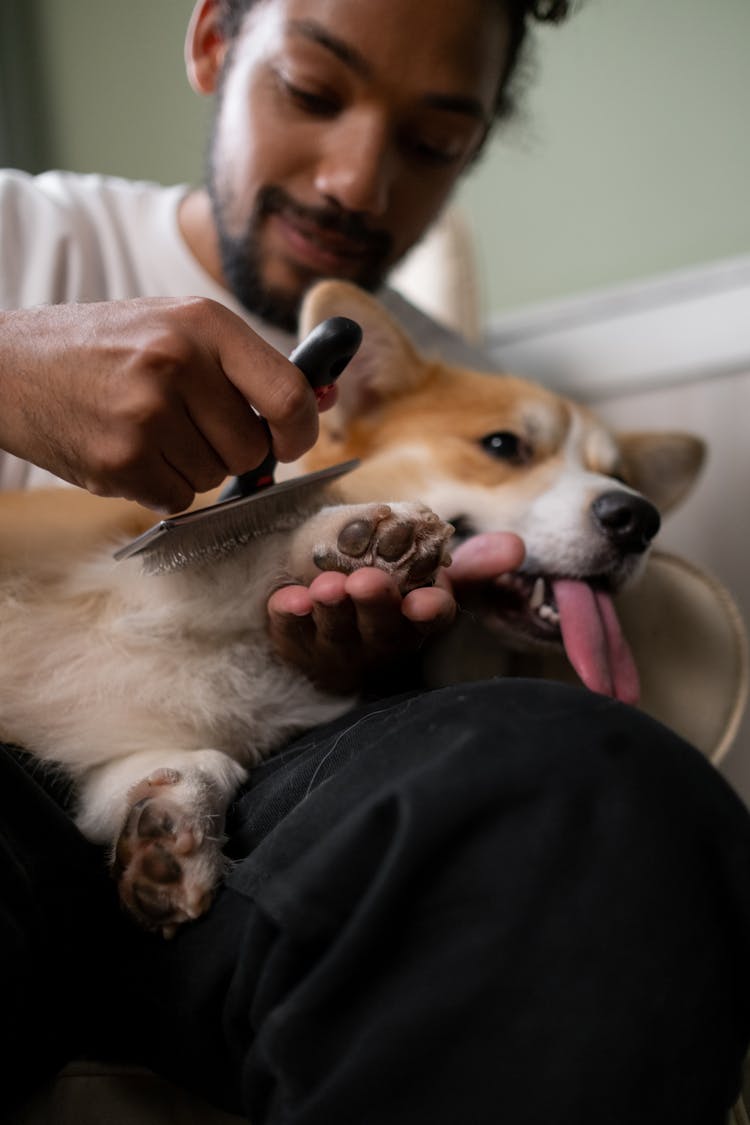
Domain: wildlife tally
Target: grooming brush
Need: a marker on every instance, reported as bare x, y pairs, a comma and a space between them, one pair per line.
251, 505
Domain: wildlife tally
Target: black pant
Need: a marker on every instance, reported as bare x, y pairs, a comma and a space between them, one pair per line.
511, 902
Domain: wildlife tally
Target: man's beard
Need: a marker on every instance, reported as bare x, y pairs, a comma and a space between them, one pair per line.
241, 256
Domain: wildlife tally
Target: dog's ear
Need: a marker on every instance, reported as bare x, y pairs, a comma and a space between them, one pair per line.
663, 466
386, 364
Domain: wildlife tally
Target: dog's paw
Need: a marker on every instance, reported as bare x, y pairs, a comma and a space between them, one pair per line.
407, 540
167, 859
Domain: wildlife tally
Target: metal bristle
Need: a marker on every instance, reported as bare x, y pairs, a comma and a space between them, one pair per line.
195, 546
210, 534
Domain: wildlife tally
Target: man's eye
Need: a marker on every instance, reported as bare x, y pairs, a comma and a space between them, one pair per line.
435, 153
320, 105
507, 446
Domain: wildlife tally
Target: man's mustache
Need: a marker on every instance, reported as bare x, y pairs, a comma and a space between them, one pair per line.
348, 224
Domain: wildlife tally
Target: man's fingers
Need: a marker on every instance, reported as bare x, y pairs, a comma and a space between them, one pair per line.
291, 626
431, 607
377, 605
155, 484
290, 601
223, 422
342, 625
270, 383
187, 450
334, 616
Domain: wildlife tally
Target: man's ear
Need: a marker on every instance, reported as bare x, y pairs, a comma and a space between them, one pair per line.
205, 47
663, 466
386, 364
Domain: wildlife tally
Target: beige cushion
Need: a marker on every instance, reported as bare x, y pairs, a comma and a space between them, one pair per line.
440, 276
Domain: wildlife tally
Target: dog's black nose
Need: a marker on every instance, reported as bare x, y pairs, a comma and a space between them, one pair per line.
629, 521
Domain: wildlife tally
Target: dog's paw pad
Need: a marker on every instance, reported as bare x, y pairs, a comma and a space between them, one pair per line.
160, 866
167, 860
406, 540
354, 538
396, 540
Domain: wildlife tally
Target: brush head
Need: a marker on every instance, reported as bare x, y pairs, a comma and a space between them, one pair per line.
210, 533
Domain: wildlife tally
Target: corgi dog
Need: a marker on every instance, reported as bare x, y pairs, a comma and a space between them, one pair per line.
498, 453
158, 692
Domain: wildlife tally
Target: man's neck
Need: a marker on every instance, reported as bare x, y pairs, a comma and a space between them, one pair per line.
197, 228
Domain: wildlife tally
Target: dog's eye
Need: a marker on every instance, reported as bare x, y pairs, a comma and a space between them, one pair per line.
506, 446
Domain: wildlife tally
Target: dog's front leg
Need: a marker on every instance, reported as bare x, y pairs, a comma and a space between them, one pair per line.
405, 539
163, 815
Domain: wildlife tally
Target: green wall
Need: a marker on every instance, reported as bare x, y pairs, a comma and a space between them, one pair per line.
633, 157
117, 97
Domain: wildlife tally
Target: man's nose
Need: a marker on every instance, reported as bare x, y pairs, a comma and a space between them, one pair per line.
357, 166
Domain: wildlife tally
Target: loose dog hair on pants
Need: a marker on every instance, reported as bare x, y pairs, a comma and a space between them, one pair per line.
510, 901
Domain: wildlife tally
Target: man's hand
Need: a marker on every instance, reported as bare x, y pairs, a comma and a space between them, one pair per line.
149, 399
343, 626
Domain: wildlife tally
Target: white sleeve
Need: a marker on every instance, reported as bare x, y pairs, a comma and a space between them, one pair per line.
44, 242
39, 259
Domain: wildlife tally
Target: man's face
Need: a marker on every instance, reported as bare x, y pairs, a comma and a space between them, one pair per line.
341, 128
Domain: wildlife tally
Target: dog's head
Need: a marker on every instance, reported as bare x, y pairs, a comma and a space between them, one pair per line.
492, 452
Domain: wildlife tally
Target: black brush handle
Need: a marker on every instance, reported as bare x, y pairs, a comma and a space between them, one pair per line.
325, 352
321, 357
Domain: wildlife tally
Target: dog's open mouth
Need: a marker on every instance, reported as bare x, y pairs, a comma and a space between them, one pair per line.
578, 614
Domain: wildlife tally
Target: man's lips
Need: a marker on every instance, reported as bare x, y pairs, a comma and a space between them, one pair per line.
318, 248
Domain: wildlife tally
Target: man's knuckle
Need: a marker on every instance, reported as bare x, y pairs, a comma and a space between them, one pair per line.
167, 352
198, 309
145, 402
292, 401
112, 463
96, 486
120, 451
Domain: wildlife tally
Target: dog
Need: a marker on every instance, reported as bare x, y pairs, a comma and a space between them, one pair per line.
492, 453
158, 693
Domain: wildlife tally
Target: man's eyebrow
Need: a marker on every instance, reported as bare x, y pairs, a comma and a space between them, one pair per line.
342, 50
351, 57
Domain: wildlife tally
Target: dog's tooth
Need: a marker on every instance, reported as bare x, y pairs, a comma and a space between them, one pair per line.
549, 614
537, 594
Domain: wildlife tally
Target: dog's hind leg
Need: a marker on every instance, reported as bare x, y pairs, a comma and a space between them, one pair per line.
163, 815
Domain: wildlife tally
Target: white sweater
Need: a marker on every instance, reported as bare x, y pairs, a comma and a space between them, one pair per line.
66, 237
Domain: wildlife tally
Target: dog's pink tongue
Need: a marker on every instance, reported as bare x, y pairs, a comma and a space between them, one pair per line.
594, 642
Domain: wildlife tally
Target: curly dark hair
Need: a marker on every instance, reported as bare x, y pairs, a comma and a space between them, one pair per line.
521, 14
